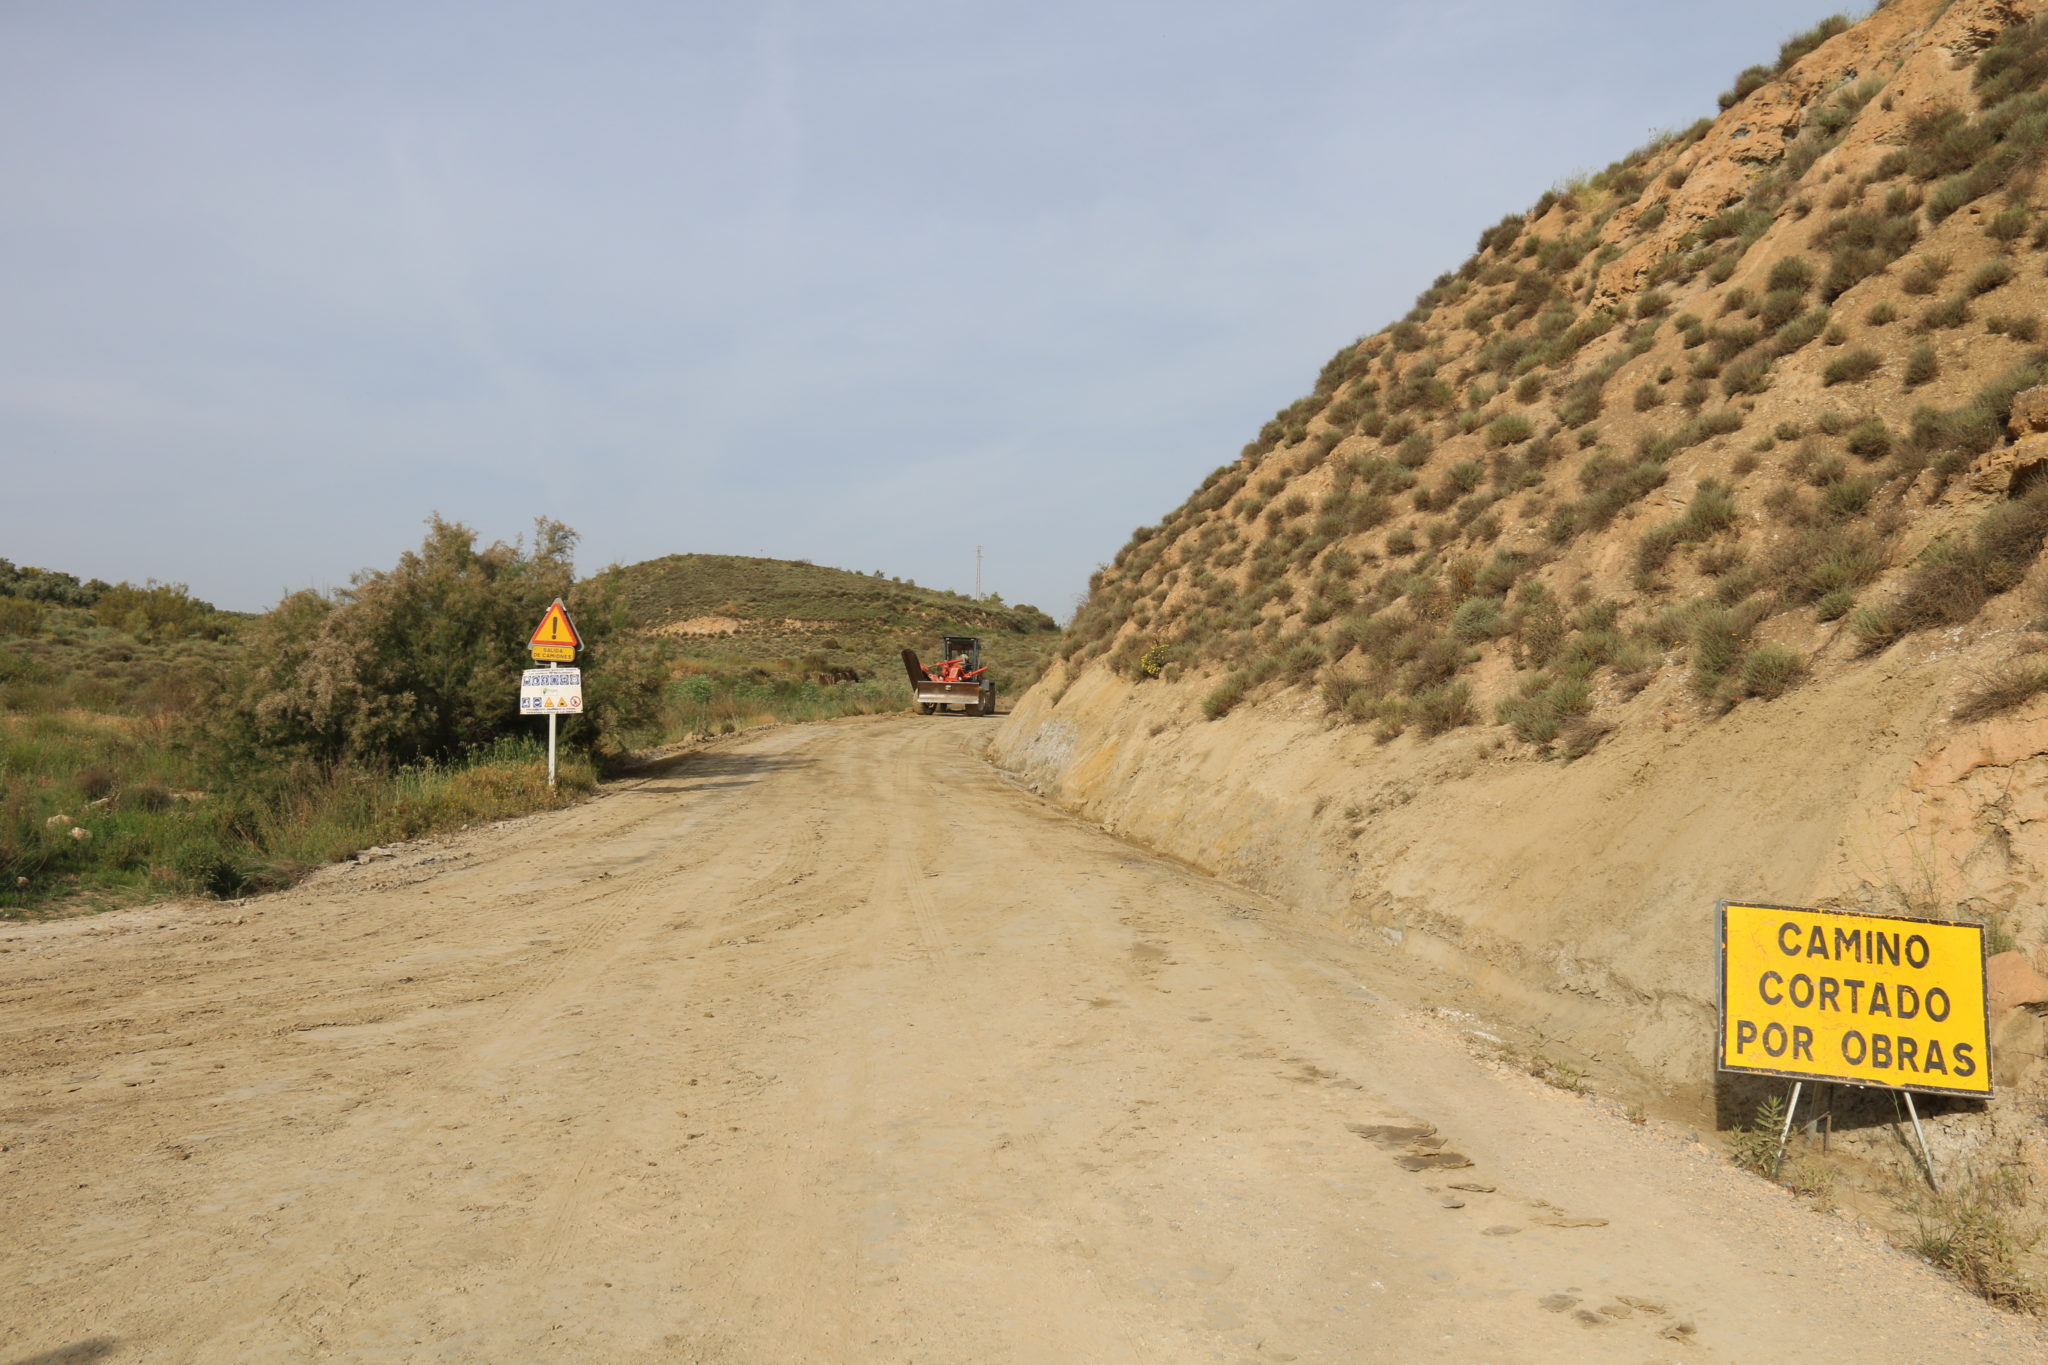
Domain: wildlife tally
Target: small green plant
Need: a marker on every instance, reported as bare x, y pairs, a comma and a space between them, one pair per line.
1562, 1075
1754, 1146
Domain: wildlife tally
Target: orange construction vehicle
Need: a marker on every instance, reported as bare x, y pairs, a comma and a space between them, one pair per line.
958, 682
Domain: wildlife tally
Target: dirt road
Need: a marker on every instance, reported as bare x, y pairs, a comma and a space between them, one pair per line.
827, 1044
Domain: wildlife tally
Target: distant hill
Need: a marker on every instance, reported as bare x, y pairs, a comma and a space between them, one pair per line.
789, 610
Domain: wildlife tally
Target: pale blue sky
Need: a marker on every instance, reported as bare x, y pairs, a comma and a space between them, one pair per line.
865, 283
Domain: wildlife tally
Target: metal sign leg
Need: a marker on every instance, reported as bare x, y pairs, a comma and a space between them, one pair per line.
551, 751
1785, 1133
1919, 1133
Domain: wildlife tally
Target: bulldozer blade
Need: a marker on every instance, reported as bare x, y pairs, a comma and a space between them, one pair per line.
910, 666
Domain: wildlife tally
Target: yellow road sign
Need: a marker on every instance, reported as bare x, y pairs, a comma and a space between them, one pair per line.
1864, 999
555, 653
556, 628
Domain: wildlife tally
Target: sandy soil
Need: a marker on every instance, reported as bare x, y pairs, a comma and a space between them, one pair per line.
829, 1044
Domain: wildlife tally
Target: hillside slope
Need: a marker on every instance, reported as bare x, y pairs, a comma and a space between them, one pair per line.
1674, 547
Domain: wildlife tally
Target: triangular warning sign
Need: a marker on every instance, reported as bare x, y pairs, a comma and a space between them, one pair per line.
556, 628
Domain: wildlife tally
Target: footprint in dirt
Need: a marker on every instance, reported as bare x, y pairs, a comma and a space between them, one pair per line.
1421, 1148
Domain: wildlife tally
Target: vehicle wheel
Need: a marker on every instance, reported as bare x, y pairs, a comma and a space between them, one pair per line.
925, 708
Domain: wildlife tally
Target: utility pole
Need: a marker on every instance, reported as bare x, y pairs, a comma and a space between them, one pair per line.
977, 573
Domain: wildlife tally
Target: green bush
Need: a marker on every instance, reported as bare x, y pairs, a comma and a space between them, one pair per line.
1477, 619
2019, 326
1922, 365
1799, 332
1770, 670
1750, 374
1993, 274
1951, 312
1927, 274
1509, 430
1790, 273
1869, 438
1443, 707
1226, 694
1852, 367
20, 616
2009, 224
1848, 498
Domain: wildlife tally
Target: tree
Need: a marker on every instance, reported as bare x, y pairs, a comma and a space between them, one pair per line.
421, 661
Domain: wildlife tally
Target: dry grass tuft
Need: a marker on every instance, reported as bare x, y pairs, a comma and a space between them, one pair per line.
2004, 688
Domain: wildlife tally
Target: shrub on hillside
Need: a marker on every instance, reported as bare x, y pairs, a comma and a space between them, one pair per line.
1509, 430
1922, 364
1852, 366
1799, 332
1750, 374
2019, 326
1226, 694
1869, 438
1951, 312
1993, 274
1443, 707
1770, 670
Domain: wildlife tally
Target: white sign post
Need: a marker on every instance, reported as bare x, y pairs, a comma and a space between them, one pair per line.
551, 692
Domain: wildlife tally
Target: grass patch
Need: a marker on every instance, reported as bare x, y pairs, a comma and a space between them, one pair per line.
1977, 1231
